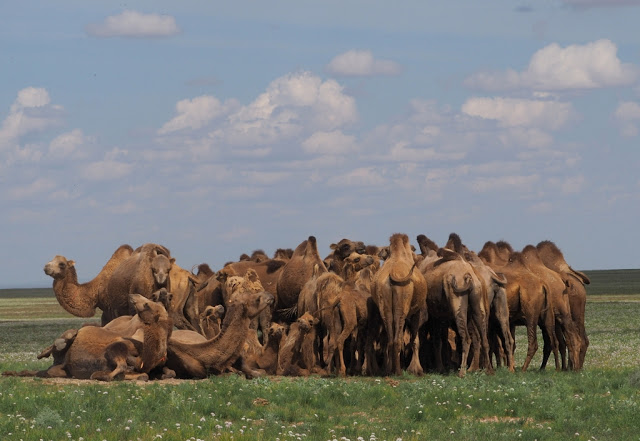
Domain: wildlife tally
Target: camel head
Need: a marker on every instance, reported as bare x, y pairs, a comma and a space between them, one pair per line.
160, 267
213, 312
345, 247
163, 297
276, 331
58, 267
307, 321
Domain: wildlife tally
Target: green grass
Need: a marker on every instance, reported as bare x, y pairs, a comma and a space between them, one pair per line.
599, 403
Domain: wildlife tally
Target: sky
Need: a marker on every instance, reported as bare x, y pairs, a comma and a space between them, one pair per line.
219, 128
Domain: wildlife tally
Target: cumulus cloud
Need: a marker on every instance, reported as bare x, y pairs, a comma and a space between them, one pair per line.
109, 168
553, 68
361, 63
134, 24
518, 183
628, 116
330, 143
31, 112
196, 113
362, 176
512, 112
293, 107
64, 145
36, 187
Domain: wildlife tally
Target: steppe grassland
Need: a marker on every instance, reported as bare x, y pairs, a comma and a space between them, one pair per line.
601, 402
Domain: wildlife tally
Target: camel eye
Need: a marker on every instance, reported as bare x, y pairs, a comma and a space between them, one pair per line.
62, 265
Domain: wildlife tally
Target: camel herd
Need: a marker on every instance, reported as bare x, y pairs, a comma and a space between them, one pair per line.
362, 310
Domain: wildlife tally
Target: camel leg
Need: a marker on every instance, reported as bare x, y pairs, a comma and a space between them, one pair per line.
475, 347
502, 316
415, 367
532, 340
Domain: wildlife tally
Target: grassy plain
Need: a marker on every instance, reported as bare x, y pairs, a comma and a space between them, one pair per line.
599, 403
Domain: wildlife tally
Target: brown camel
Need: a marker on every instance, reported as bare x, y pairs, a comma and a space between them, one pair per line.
340, 251
291, 358
494, 285
229, 284
144, 272
450, 280
479, 308
267, 360
296, 272
82, 300
575, 282
558, 301
104, 354
399, 291
217, 355
526, 295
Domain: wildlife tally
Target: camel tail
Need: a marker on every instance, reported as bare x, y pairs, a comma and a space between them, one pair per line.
403, 281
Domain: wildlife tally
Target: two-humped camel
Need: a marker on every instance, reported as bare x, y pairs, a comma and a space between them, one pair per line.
129, 349
399, 290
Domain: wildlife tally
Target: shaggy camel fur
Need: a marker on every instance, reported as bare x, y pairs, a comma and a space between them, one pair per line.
575, 281
103, 354
526, 296
82, 299
250, 280
558, 300
296, 273
291, 355
399, 291
216, 355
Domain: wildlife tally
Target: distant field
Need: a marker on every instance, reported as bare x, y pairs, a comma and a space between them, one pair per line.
619, 281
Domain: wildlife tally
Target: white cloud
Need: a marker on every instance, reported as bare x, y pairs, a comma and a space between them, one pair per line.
589, 66
196, 113
362, 176
31, 112
38, 186
134, 24
292, 108
628, 115
361, 63
330, 143
508, 183
66, 144
512, 112
573, 184
109, 168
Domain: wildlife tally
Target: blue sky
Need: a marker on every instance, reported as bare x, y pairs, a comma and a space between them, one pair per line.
218, 129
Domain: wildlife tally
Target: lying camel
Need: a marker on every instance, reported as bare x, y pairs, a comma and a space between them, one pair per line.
104, 354
267, 360
291, 360
198, 359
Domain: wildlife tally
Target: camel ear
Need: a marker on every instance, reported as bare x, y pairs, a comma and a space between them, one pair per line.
172, 260
71, 262
333, 246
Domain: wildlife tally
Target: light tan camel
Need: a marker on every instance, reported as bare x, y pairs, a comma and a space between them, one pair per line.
399, 291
